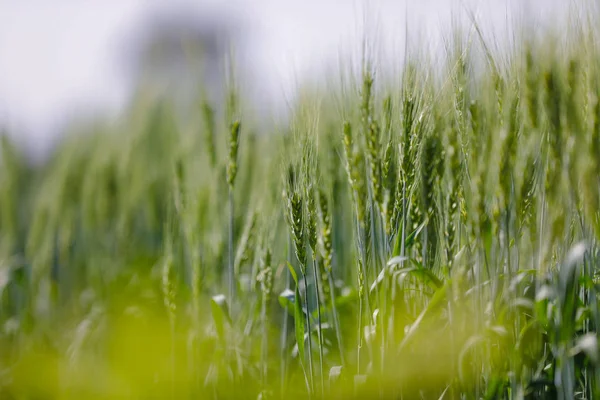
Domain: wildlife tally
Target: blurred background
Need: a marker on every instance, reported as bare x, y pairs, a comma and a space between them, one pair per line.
65, 61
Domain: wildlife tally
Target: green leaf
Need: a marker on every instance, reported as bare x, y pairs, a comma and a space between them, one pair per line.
418, 270
286, 300
386, 269
298, 315
409, 241
397, 260
335, 373
426, 275
220, 313
444, 393
436, 301
293, 272
299, 323
583, 314
569, 272
588, 344
498, 330
495, 387
4, 279
486, 236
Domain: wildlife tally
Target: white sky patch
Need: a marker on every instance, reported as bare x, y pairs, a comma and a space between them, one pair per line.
56, 60
60, 58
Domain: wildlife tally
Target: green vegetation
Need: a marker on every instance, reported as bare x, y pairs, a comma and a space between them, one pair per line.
433, 239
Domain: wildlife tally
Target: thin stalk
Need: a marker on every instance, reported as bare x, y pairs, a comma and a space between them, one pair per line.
375, 252
320, 332
363, 256
263, 313
360, 297
173, 360
402, 254
383, 254
336, 321
359, 345
479, 301
284, 331
231, 272
310, 362
366, 278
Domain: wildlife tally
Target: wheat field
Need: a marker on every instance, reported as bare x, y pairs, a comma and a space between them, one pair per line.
432, 236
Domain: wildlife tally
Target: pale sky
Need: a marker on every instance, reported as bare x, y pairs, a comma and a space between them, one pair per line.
61, 58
